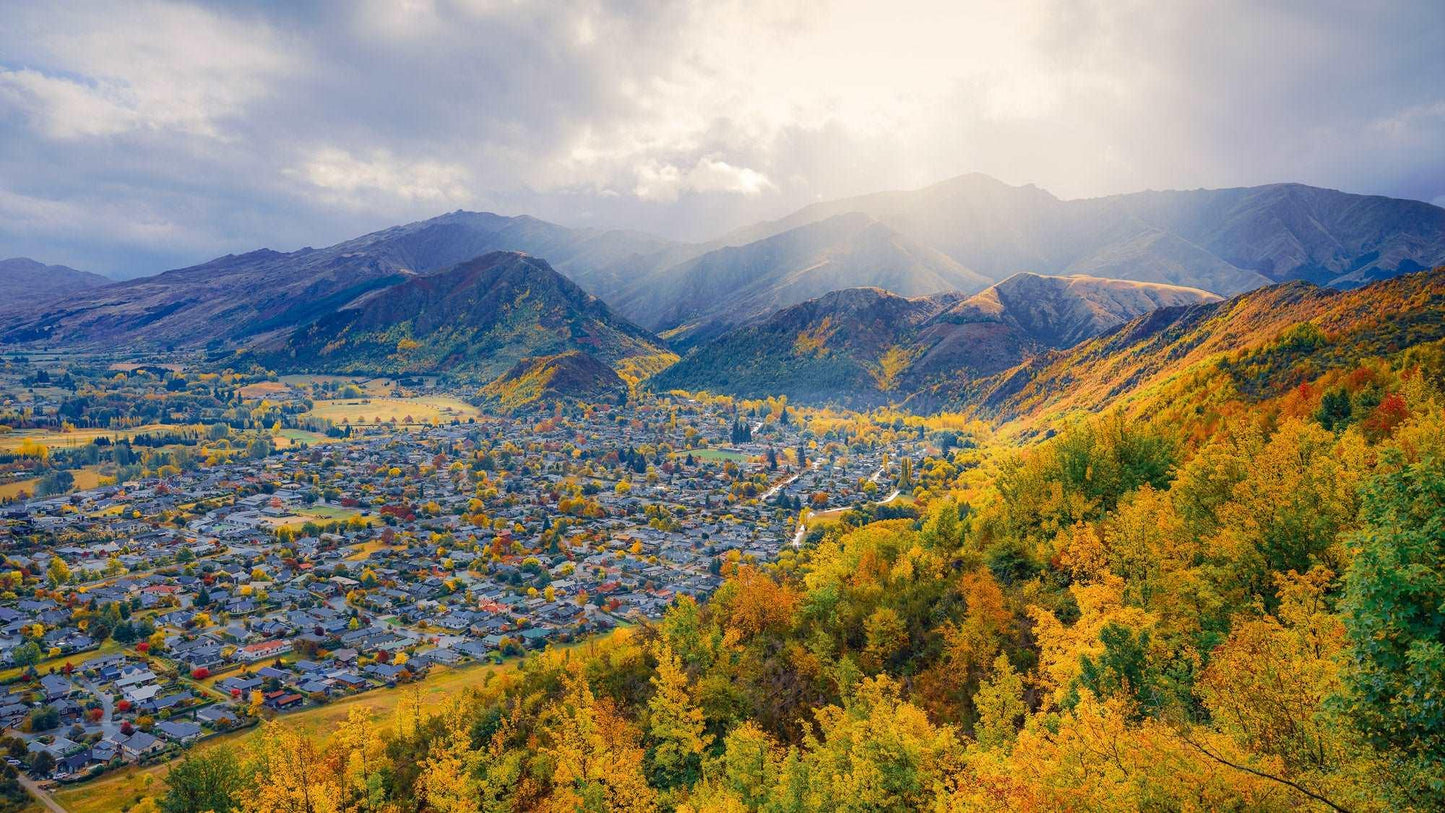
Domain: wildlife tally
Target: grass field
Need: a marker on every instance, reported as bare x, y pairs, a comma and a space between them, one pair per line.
713, 455
79, 437
88, 477
291, 437
319, 514
369, 411
78, 659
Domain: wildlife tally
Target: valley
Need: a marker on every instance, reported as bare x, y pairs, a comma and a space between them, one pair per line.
808, 494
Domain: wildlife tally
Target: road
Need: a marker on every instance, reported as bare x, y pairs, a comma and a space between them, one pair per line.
107, 704
40, 794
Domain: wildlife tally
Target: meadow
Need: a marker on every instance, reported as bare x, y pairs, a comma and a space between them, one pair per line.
372, 411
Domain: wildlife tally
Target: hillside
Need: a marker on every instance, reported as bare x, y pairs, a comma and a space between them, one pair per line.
833, 348
1256, 345
867, 346
25, 283
731, 286
475, 320
570, 375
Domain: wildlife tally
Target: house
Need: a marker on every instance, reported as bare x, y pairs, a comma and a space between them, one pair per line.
181, 732
56, 687
140, 745
251, 653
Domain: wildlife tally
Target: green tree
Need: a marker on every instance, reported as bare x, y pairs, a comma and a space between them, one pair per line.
208, 780
1395, 613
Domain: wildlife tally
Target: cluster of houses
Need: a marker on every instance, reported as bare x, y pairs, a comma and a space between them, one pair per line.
332, 569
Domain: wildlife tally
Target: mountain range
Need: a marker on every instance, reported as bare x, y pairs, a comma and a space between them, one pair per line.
954, 305
28, 284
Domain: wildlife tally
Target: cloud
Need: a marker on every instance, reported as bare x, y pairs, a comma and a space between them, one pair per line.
664, 182
292, 124
340, 177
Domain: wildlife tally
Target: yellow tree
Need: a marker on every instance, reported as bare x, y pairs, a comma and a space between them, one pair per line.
1000, 706
444, 779
292, 776
674, 726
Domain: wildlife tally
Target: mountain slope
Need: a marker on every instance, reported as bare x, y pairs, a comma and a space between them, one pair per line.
25, 283
1224, 240
573, 374
475, 320
731, 286
866, 346
233, 300
833, 348
1257, 344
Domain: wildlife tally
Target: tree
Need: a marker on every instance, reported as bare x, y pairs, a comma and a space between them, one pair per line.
27, 654
209, 780
56, 482
675, 726
1000, 705
58, 572
1394, 592
887, 636
42, 763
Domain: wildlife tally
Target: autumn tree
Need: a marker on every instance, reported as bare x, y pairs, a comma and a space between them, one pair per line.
675, 730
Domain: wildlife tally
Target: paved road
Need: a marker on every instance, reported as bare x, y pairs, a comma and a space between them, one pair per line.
40, 794
107, 703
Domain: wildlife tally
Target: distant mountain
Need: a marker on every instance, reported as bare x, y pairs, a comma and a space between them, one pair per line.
833, 348
726, 287
570, 375
25, 283
1258, 344
237, 300
1224, 240
959, 235
475, 320
867, 346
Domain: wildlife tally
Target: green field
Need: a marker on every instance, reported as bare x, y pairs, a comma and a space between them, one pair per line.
291, 437
713, 455
10, 441
88, 477
318, 514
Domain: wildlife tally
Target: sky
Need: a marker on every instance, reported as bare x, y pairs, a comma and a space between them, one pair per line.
141, 136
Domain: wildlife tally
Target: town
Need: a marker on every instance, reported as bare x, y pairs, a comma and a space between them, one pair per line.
142, 616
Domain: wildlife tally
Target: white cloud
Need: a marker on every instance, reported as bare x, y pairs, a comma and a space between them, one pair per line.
664, 182
341, 177
288, 124
157, 66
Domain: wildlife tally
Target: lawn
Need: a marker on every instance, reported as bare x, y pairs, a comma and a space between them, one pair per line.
318, 514
370, 411
292, 437
78, 659
712, 455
